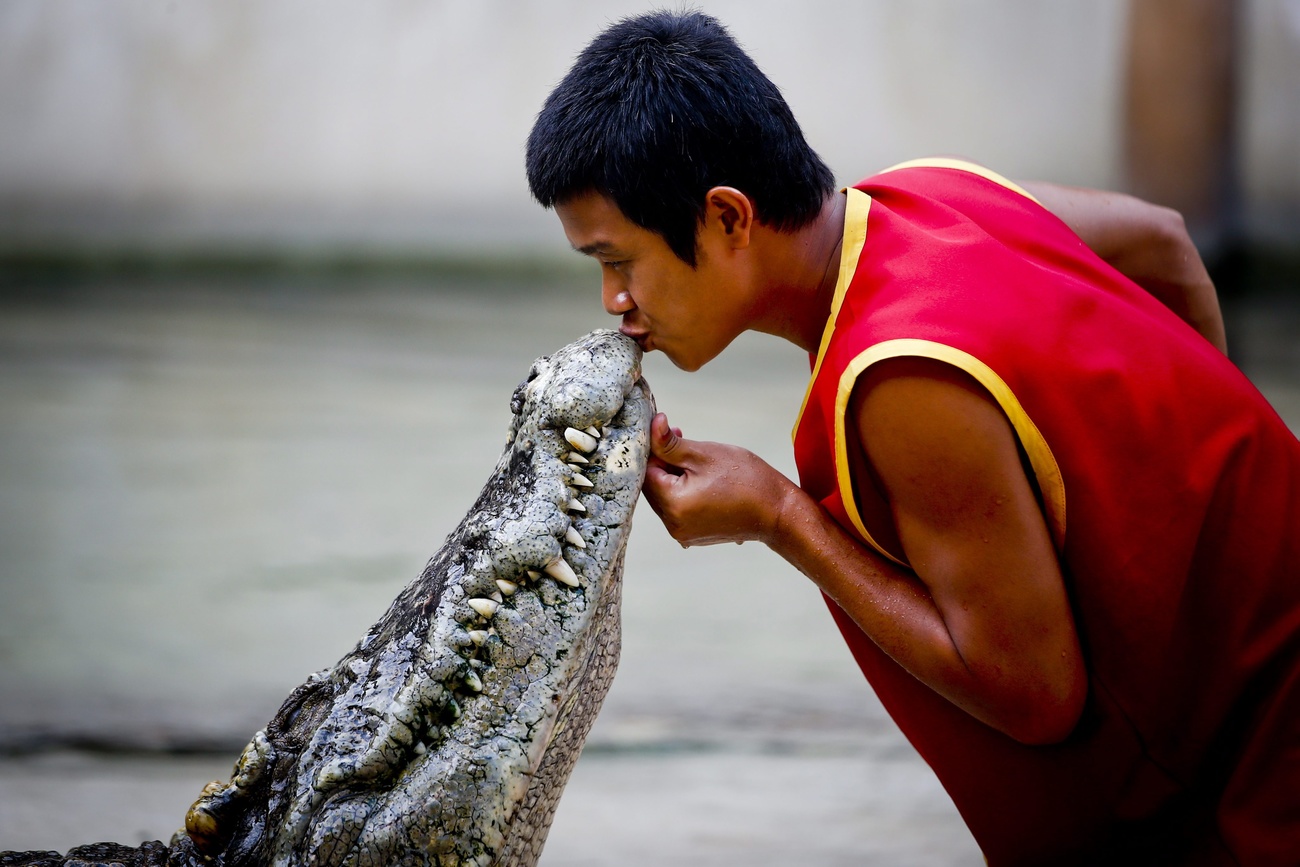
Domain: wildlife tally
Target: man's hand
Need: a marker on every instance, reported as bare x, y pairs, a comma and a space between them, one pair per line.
709, 493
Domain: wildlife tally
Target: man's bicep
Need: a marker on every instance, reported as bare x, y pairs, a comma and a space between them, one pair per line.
967, 518
947, 459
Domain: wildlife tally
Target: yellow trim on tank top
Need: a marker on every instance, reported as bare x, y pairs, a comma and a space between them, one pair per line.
1041, 460
963, 166
856, 210
857, 207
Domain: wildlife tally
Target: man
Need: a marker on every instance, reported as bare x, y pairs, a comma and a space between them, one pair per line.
1117, 681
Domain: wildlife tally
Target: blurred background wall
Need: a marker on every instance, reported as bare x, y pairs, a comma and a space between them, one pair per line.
397, 126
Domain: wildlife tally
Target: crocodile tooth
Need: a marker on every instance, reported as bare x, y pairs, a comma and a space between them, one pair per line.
421, 749
582, 481
561, 571
580, 440
485, 607
576, 458
200, 824
473, 682
401, 734
507, 587
575, 505
574, 538
532, 574
593, 431
478, 636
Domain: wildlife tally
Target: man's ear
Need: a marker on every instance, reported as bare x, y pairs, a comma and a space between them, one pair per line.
730, 213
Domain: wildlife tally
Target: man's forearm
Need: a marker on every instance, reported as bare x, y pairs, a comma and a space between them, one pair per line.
897, 612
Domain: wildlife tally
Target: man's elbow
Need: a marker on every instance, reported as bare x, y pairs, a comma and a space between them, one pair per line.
1050, 719
1168, 231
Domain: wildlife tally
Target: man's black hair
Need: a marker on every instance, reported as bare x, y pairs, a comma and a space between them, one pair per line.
658, 109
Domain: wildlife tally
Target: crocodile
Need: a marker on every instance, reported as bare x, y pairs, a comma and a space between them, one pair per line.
446, 735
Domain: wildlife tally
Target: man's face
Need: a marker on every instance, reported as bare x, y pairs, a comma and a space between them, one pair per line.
689, 313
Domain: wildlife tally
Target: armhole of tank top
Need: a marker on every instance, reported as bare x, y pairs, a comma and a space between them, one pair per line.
963, 166
1046, 472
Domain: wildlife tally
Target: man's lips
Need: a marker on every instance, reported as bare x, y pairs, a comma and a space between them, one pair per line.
641, 337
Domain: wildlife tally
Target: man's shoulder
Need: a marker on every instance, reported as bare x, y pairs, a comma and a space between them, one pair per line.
936, 176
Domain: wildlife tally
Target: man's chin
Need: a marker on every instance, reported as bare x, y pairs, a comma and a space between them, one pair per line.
690, 365
689, 361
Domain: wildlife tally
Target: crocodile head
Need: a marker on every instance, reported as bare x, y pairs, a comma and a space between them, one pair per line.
447, 734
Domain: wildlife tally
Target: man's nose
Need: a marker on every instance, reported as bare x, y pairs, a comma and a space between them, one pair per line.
617, 301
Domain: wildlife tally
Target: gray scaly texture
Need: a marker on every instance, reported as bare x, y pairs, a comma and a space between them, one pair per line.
445, 737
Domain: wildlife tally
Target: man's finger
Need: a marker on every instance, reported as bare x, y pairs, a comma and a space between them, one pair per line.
657, 477
660, 463
658, 484
667, 443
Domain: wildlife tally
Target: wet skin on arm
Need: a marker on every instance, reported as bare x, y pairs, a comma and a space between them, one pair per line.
984, 620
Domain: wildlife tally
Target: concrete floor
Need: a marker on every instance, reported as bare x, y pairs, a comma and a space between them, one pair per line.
208, 490
708, 808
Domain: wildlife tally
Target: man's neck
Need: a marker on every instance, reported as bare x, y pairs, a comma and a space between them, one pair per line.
801, 271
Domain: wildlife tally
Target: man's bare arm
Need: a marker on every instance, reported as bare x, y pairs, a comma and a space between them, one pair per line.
985, 620
1147, 243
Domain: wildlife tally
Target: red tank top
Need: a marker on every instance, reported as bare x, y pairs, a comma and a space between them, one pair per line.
1172, 491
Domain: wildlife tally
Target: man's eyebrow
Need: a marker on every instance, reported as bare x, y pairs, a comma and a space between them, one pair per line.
595, 247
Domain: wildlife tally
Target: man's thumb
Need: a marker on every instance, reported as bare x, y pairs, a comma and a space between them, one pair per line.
667, 443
